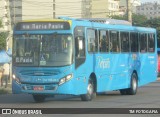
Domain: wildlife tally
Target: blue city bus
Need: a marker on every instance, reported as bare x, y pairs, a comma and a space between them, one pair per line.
81, 57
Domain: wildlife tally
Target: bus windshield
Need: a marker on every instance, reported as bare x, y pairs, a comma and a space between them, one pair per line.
42, 50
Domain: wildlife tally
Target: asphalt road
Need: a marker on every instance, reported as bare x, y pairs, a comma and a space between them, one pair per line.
147, 96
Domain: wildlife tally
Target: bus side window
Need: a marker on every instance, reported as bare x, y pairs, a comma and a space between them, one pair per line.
114, 41
80, 54
124, 36
91, 36
134, 41
143, 43
151, 43
80, 47
104, 41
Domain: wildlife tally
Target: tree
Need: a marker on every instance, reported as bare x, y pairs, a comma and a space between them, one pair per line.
124, 17
1, 23
3, 36
154, 23
140, 20
137, 20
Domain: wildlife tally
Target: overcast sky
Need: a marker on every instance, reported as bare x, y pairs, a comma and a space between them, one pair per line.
149, 1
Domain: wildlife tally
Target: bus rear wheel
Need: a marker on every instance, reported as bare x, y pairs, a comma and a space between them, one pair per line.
39, 98
123, 91
133, 87
90, 91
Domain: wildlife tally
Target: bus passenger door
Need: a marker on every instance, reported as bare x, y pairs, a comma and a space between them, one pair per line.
80, 58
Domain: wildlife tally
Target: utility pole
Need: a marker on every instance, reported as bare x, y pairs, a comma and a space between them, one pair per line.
129, 13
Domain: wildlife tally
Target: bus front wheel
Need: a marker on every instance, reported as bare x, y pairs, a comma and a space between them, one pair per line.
39, 98
90, 91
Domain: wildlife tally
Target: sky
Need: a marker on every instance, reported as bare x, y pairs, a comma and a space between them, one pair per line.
149, 1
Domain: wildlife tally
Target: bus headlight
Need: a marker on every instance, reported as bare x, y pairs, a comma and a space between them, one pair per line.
16, 79
65, 79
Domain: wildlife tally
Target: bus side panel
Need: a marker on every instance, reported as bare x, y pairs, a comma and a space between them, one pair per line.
119, 71
147, 68
102, 71
112, 72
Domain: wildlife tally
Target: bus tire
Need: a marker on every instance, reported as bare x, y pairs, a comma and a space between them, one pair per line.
90, 91
123, 91
134, 85
39, 98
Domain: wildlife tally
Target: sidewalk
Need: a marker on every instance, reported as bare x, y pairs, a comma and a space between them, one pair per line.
7, 90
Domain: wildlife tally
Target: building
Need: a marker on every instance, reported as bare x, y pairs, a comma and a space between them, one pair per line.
38, 9
104, 8
72, 8
123, 6
4, 15
11, 13
86, 8
150, 10
42, 9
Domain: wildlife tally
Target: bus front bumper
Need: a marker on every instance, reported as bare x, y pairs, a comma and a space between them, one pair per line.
48, 89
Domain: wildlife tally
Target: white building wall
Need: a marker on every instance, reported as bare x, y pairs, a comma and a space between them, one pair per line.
150, 10
37, 9
113, 7
134, 4
69, 8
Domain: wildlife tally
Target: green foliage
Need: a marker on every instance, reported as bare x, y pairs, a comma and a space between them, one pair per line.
155, 23
137, 20
140, 20
1, 23
3, 36
119, 17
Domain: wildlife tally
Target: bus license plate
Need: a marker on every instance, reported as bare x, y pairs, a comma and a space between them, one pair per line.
38, 88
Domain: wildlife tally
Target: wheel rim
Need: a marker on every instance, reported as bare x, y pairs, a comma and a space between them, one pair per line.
90, 89
134, 84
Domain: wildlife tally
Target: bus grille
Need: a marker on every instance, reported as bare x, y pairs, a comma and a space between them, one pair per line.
39, 73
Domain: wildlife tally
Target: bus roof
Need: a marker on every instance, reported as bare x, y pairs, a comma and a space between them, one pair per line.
109, 21
98, 22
